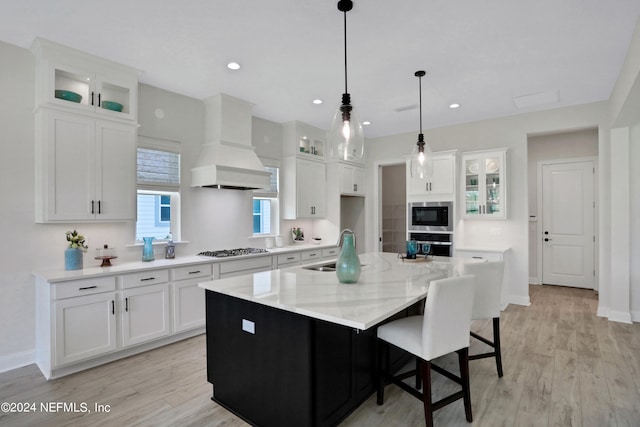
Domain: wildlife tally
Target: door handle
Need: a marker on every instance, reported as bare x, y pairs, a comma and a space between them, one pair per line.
547, 240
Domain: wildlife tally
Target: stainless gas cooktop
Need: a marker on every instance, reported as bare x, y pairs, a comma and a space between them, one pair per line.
233, 252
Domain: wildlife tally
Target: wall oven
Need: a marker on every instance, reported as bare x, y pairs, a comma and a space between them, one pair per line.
430, 216
437, 244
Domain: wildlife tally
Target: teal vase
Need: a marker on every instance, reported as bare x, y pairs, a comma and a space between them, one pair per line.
348, 264
72, 259
147, 249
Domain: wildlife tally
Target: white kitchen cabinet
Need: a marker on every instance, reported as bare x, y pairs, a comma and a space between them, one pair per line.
84, 327
287, 260
442, 181
246, 265
304, 189
329, 253
96, 80
304, 141
85, 168
307, 257
484, 193
188, 299
145, 314
352, 180
86, 322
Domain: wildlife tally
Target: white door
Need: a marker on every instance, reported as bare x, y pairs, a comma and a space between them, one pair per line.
568, 224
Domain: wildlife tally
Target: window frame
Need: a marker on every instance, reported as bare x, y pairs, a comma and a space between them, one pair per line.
162, 189
272, 196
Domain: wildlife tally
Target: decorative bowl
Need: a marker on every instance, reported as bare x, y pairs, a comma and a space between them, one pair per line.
68, 95
112, 105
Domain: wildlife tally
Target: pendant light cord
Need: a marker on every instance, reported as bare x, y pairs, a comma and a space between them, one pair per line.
345, 52
420, 98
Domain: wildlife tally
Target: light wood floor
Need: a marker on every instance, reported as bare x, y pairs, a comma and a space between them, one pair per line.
563, 367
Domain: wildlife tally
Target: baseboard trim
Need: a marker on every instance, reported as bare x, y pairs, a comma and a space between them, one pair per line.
17, 360
620, 316
520, 300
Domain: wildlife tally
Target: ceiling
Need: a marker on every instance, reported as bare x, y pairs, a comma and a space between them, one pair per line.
484, 55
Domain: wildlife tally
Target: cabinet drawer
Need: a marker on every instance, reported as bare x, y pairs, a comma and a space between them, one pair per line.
190, 271
330, 252
310, 256
78, 288
245, 264
288, 258
486, 255
144, 278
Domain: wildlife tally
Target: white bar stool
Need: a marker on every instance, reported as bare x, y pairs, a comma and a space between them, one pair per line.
486, 305
444, 328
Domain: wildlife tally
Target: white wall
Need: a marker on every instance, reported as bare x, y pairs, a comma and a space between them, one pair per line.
511, 132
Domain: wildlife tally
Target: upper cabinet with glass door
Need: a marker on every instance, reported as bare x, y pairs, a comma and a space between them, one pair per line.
78, 82
484, 190
304, 141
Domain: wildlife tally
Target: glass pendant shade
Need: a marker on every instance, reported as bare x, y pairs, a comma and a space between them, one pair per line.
346, 135
422, 161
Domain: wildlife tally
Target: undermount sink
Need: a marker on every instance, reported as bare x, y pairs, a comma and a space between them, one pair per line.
322, 267
331, 266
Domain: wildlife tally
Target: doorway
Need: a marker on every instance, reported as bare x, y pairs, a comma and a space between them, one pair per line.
392, 207
563, 156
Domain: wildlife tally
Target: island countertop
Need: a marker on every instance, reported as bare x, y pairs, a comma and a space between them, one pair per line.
387, 285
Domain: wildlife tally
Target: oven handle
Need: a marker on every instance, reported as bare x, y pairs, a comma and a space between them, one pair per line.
435, 243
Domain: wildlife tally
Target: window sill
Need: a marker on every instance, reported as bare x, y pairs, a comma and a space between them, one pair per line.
156, 243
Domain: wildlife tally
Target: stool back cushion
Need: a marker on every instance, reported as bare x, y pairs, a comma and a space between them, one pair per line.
488, 293
447, 316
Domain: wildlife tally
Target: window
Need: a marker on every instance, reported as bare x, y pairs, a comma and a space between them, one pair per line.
265, 206
158, 189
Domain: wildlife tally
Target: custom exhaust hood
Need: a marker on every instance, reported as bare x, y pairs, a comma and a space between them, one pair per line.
228, 159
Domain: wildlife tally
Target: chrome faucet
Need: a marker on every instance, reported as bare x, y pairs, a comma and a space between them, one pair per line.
341, 237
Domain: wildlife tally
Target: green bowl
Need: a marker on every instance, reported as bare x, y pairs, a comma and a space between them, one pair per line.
68, 95
112, 105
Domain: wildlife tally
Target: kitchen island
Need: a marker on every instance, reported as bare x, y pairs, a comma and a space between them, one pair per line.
294, 347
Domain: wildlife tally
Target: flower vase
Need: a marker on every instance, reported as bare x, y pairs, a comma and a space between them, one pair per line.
147, 249
72, 259
348, 264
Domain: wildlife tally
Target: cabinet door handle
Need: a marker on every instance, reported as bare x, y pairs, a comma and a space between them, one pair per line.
126, 304
92, 205
99, 99
194, 272
310, 255
147, 278
290, 258
355, 188
91, 97
99, 206
87, 287
113, 307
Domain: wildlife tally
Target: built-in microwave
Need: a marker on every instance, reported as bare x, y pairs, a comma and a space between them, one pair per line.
430, 216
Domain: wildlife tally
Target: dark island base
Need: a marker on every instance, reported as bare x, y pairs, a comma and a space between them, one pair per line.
292, 370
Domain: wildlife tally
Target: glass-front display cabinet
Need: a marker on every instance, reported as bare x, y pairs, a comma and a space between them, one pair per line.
484, 185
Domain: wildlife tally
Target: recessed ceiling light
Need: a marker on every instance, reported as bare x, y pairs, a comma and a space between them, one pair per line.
317, 101
366, 123
233, 66
454, 105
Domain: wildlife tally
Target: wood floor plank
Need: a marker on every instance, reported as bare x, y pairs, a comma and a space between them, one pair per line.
563, 366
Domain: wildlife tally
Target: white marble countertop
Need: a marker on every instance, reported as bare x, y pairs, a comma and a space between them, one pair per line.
386, 286
481, 248
59, 275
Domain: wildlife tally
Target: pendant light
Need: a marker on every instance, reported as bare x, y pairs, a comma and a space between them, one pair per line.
346, 135
421, 157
